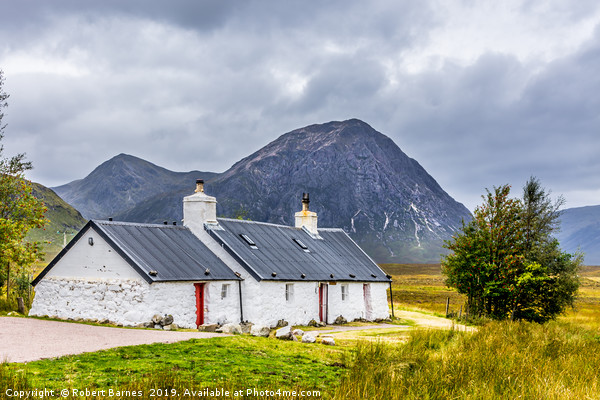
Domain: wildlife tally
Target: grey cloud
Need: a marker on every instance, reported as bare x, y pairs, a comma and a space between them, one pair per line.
198, 85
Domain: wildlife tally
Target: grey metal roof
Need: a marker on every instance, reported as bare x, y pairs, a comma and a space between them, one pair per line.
332, 257
172, 251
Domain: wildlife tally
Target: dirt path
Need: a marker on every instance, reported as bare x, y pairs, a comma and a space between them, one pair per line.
421, 320
28, 339
343, 328
431, 321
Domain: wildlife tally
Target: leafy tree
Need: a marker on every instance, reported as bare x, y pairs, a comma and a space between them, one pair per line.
506, 261
20, 211
550, 281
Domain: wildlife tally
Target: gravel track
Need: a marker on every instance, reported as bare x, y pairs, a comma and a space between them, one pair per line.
28, 339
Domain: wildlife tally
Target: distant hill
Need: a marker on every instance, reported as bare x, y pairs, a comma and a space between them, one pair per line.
358, 180
122, 183
580, 229
63, 219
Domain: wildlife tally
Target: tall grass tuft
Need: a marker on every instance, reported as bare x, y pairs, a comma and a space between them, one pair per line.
501, 360
12, 378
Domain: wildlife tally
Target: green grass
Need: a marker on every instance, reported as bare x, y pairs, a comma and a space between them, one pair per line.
226, 362
502, 360
421, 287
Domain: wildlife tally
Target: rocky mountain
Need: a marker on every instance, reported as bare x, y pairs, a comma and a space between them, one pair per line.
580, 230
120, 184
358, 180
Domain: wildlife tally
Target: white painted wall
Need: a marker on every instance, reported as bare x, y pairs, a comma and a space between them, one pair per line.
132, 302
267, 304
120, 301
99, 261
355, 306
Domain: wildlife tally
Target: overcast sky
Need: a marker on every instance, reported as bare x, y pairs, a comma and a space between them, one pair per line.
481, 93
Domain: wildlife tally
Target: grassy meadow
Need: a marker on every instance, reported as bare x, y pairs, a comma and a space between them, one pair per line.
557, 360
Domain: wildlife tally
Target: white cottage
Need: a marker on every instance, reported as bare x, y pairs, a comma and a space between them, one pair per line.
212, 271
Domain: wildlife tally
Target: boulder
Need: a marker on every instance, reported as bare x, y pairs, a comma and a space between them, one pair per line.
208, 327
230, 329
284, 333
260, 330
167, 320
281, 323
156, 318
340, 321
328, 340
308, 338
245, 327
297, 332
170, 327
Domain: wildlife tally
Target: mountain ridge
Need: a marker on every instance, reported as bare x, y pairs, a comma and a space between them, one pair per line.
358, 180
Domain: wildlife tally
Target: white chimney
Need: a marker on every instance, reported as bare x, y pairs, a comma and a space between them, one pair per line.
199, 209
305, 218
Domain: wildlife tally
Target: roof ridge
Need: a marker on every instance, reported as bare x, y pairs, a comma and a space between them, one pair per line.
245, 221
140, 224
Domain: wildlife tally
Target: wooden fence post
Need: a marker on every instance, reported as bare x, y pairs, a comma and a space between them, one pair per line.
20, 305
447, 306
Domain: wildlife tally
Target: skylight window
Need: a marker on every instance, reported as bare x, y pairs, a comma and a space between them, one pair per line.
301, 244
248, 240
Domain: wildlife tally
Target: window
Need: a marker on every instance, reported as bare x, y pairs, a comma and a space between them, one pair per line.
344, 292
289, 292
224, 290
301, 244
248, 240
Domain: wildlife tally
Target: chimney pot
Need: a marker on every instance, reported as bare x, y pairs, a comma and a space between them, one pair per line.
305, 201
306, 218
199, 185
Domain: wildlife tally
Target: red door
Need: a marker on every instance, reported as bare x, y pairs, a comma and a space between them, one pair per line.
199, 303
323, 302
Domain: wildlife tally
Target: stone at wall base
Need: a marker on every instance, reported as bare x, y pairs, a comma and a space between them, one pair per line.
230, 329
260, 330
170, 327
167, 320
246, 327
208, 327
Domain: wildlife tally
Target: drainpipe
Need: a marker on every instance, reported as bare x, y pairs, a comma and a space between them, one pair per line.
391, 294
240, 291
327, 306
